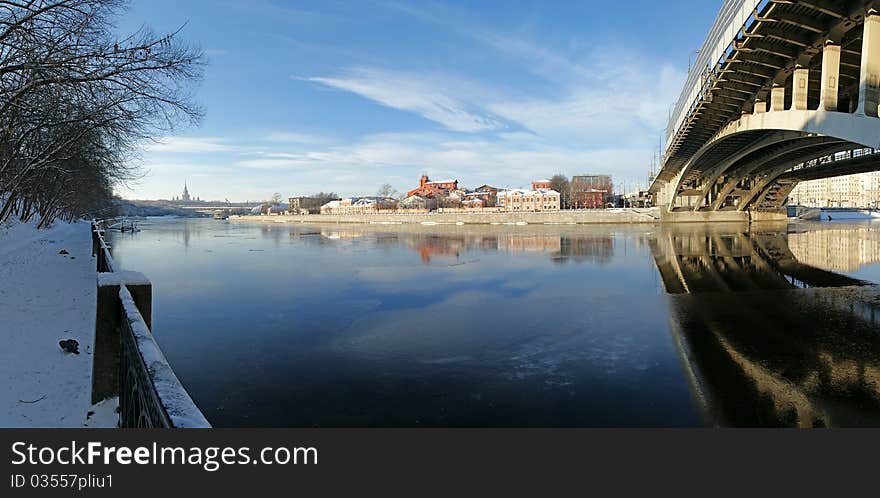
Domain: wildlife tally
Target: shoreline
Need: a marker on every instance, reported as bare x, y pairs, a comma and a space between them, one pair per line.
619, 216
611, 216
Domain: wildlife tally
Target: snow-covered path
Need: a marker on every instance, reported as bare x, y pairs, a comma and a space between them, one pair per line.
45, 297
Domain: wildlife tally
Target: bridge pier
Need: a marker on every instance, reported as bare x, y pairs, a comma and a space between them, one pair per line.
830, 77
869, 79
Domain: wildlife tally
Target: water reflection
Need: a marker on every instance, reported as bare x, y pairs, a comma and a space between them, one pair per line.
767, 340
838, 248
357, 325
429, 244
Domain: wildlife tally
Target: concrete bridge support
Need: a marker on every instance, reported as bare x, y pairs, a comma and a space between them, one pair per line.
869, 79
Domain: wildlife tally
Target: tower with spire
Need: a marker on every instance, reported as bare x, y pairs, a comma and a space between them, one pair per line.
185, 197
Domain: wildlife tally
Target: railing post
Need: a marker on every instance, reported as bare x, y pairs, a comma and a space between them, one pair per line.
107, 355
96, 244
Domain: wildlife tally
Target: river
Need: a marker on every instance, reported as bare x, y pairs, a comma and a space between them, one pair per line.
276, 324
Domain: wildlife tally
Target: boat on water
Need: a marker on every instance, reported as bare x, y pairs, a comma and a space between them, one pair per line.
220, 215
125, 225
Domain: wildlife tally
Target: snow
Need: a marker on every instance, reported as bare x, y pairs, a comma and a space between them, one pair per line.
176, 401
122, 278
103, 414
46, 297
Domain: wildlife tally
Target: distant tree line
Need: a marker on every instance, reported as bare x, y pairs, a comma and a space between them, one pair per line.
77, 102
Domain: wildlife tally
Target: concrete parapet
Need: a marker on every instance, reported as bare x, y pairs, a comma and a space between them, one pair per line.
605, 216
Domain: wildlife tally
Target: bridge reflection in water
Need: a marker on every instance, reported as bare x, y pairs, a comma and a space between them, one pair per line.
765, 339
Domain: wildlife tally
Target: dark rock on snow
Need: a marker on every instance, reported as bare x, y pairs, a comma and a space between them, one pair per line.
69, 346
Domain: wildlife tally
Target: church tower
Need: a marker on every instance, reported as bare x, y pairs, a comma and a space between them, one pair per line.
185, 197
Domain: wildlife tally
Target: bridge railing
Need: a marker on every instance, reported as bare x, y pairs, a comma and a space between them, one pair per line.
735, 17
127, 360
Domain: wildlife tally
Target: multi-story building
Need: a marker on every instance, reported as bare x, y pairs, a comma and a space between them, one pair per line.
488, 194
528, 200
359, 205
591, 191
862, 190
304, 205
428, 188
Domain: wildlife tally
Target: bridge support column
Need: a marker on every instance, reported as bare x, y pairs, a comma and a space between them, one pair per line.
830, 77
760, 107
800, 87
869, 80
777, 98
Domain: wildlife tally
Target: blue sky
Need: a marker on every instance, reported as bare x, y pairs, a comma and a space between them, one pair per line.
343, 96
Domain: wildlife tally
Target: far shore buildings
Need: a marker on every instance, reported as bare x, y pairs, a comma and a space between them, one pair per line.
417, 203
304, 205
862, 190
185, 197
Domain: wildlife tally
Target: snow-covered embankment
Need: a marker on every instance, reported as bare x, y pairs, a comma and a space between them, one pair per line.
47, 294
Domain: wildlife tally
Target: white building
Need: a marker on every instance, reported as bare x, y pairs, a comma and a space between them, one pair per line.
361, 205
528, 200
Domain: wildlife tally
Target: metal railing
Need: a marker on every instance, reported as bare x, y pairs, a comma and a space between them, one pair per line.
128, 362
733, 19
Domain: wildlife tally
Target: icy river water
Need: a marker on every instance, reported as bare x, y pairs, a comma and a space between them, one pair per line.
276, 324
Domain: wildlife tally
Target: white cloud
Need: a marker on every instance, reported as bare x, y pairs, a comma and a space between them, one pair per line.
595, 112
192, 145
296, 138
414, 93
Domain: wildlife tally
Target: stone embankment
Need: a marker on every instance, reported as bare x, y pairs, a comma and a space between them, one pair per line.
606, 216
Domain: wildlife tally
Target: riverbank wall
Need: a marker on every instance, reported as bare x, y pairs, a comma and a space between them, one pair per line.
606, 216
587, 217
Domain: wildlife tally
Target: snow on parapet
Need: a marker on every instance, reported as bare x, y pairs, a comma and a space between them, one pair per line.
122, 278
178, 404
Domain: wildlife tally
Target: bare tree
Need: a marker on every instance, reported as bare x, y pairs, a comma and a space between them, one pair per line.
386, 190
560, 183
77, 102
276, 199
325, 197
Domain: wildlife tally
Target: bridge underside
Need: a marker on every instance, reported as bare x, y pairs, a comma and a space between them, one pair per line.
795, 97
757, 169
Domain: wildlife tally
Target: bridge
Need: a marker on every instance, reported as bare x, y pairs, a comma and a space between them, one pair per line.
210, 209
783, 91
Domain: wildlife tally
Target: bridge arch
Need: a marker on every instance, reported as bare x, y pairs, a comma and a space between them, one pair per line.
743, 153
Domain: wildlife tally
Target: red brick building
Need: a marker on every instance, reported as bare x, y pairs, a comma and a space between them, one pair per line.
542, 185
430, 189
591, 191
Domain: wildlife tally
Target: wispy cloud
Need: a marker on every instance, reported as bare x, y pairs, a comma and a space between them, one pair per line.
193, 145
297, 138
414, 93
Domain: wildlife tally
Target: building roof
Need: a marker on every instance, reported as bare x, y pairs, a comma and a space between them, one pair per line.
543, 191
